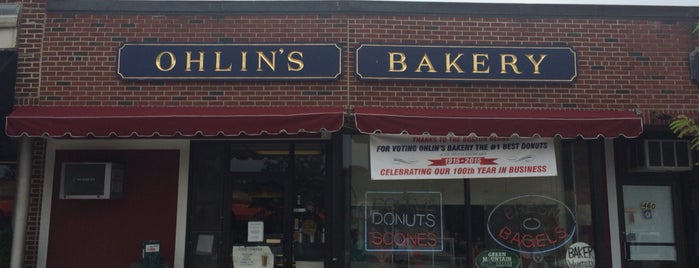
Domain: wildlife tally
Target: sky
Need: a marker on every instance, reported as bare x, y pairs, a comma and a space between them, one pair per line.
693, 3
680, 3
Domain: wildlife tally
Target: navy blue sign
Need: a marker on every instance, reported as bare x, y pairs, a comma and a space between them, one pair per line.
466, 63
229, 61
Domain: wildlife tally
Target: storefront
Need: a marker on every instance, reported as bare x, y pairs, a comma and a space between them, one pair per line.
8, 147
358, 134
530, 196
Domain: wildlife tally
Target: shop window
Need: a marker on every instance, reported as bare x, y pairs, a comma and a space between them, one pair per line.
455, 222
8, 187
8, 191
261, 199
659, 155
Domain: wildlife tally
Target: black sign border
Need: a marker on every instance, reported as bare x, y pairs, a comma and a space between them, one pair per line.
227, 78
447, 79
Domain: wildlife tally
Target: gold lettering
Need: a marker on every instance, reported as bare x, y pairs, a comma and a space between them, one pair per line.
477, 63
393, 61
535, 62
158, 59
425, 62
261, 57
512, 63
294, 60
218, 63
190, 60
452, 63
244, 61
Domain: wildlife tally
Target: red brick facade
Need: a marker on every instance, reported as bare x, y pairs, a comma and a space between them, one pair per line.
624, 64
68, 59
35, 194
30, 36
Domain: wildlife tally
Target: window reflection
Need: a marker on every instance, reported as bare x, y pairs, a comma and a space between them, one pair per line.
281, 188
543, 212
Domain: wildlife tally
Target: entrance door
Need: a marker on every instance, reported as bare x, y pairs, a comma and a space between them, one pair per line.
258, 204
277, 203
651, 223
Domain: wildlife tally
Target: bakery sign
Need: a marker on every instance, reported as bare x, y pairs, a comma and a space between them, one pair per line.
466, 63
395, 157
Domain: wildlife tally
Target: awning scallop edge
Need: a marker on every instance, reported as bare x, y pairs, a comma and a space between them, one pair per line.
499, 122
170, 121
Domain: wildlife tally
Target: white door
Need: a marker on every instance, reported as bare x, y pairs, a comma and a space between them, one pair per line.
650, 226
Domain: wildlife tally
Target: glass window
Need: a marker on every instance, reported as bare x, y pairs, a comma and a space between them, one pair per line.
8, 187
450, 222
258, 203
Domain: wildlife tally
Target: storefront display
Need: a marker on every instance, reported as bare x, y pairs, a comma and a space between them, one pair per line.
528, 218
363, 134
269, 195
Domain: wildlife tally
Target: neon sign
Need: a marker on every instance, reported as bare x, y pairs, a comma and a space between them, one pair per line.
531, 224
403, 221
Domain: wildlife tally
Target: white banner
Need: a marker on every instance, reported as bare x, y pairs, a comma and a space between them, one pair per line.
443, 157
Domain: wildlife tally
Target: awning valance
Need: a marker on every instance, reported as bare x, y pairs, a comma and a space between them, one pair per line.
170, 121
502, 123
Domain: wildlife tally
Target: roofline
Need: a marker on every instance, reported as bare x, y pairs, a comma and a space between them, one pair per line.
372, 7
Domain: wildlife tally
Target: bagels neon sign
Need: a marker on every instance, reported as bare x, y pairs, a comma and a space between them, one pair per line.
531, 224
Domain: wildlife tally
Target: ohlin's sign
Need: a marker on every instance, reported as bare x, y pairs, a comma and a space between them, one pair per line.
229, 61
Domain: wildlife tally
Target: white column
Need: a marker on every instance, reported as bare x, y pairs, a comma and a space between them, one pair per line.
21, 210
615, 244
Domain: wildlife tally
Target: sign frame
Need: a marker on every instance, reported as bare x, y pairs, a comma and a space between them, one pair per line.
372, 67
137, 61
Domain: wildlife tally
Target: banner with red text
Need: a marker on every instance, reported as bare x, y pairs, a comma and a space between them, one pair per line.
449, 157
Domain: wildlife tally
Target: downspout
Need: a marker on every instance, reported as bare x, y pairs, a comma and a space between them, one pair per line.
21, 209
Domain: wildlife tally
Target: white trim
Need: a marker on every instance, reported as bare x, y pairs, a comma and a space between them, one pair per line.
182, 192
127, 144
612, 206
8, 21
21, 202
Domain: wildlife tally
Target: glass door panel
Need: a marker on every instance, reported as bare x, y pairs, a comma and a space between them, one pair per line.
277, 203
205, 235
259, 179
649, 225
309, 210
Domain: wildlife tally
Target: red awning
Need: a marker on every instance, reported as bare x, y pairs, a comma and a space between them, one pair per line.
502, 123
170, 121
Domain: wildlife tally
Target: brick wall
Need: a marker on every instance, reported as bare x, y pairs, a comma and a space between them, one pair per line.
36, 186
79, 60
623, 64
29, 40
